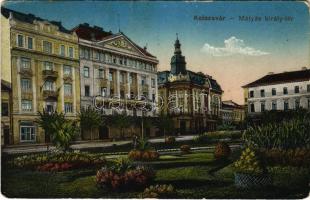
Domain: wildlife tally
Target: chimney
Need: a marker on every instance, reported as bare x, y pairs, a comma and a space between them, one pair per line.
304, 68
270, 73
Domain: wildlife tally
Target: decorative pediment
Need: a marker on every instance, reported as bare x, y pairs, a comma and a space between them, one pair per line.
120, 42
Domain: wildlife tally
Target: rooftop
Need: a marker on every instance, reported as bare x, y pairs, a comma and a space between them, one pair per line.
285, 77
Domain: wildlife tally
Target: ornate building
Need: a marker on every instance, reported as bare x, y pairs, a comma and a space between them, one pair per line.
185, 95
40, 64
115, 68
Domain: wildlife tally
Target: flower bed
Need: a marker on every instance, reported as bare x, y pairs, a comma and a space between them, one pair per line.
124, 175
159, 191
147, 155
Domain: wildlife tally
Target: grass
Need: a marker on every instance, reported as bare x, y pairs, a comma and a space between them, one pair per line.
189, 174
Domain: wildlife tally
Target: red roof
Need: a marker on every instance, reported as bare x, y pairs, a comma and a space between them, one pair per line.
285, 77
86, 32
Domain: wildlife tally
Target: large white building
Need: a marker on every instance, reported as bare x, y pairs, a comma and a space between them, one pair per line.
115, 68
282, 91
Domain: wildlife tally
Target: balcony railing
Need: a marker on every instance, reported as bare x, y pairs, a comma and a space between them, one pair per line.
50, 74
67, 78
50, 94
26, 72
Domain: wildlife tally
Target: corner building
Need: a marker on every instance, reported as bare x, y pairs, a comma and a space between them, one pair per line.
40, 64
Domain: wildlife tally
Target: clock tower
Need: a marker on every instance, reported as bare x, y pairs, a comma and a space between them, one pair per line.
178, 64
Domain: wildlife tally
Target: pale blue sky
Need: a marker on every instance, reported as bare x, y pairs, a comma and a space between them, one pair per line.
286, 44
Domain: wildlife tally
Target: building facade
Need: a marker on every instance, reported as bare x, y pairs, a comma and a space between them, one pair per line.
185, 96
232, 113
40, 63
115, 69
282, 91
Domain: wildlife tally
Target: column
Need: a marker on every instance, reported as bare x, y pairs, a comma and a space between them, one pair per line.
118, 89
107, 73
138, 85
128, 84
34, 87
149, 87
185, 101
18, 85
74, 90
62, 93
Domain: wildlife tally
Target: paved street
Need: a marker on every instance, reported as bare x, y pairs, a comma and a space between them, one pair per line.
83, 145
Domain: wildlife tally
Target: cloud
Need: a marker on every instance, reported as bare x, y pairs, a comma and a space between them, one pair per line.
232, 46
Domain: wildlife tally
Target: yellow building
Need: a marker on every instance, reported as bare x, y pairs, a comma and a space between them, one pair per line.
40, 63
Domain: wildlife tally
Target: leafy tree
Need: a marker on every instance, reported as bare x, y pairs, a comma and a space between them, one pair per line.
122, 121
46, 120
164, 122
89, 119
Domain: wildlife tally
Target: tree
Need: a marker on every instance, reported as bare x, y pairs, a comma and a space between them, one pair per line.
46, 120
89, 119
164, 122
122, 121
60, 130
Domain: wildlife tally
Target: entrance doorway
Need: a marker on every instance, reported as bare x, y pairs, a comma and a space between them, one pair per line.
103, 132
182, 126
6, 135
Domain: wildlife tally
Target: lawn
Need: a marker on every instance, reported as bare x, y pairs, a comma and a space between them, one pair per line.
190, 174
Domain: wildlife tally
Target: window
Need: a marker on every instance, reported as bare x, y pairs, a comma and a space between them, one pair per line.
296, 89
26, 105
262, 93
20, 40
286, 105
67, 89
25, 84
49, 107
251, 94
274, 105
111, 76
102, 56
121, 78
297, 103
103, 91
86, 72
285, 90
96, 55
120, 61
27, 133
30, 43
67, 70
47, 47
86, 91
49, 85
114, 60
153, 97
25, 63
68, 108
62, 50
125, 61
153, 82
308, 88
101, 73
262, 107
252, 108
4, 109
274, 91
71, 52
48, 65
130, 78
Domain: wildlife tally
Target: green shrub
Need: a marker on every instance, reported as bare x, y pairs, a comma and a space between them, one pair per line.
249, 163
290, 177
284, 135
215, 136
292, 157
159, 191
222, 151
185, 149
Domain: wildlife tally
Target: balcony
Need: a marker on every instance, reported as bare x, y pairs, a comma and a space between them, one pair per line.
67, 78
50, 94
26, 72
26, 94
50, 74
103, 82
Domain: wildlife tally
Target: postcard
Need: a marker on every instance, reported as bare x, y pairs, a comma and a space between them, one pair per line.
155, 99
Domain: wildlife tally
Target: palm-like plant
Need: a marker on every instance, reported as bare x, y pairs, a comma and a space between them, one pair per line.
64, 133
89, 119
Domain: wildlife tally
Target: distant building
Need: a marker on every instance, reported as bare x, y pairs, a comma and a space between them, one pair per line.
282, 91
232, 113
188, 97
